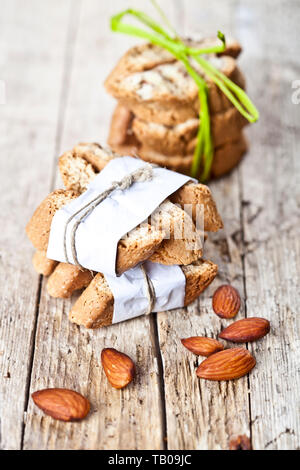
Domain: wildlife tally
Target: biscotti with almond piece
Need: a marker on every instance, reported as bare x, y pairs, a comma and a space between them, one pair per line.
166, 93
198, 195
182, 243
95, 306
38, 227
168, 140
76, 172
147, 56
42, 264
80, 165
95, 154
66, 279
225, 158
120, 129
181, 139
138, 245
228, 156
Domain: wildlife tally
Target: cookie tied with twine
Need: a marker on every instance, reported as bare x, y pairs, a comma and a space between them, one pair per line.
203, 154
144, 173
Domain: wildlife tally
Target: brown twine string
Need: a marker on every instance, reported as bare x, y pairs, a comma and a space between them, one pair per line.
144, 173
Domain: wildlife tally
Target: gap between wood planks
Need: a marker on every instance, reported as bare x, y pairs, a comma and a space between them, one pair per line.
74, 16
33, 341
241, 193
161, 380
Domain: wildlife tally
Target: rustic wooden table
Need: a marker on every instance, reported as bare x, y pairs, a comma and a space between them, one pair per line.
54, 57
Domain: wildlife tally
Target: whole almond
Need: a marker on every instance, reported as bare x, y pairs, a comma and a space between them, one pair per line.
246, 330
226, 365
226, 301
62, 404
118, 367
240, 443
202, 346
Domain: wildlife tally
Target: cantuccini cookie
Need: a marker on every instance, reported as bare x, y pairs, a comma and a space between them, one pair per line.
139, 244
67, 278
181, 138
42, 264
167, 145
95, 306
226, 157
163, 91
146, 56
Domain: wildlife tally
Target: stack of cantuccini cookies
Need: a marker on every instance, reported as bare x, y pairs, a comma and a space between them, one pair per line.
158, 108
94, 308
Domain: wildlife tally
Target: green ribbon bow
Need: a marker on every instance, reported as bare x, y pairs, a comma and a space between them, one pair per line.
203, 154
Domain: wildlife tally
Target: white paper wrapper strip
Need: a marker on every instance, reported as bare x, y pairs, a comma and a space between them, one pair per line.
130, 290
98, 234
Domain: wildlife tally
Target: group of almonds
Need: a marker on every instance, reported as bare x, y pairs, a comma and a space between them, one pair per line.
231, 363
221, 364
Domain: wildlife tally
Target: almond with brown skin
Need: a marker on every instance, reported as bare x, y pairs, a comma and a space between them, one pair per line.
62, 404
240, 443
226, 301
226, 365
118, 367
202, 346
246, 330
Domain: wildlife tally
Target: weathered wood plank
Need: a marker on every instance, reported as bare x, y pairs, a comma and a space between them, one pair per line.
263, 193
31, 68
120, 419
271, 216
203, 414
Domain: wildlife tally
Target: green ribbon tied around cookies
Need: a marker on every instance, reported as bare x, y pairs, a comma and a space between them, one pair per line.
203, 154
